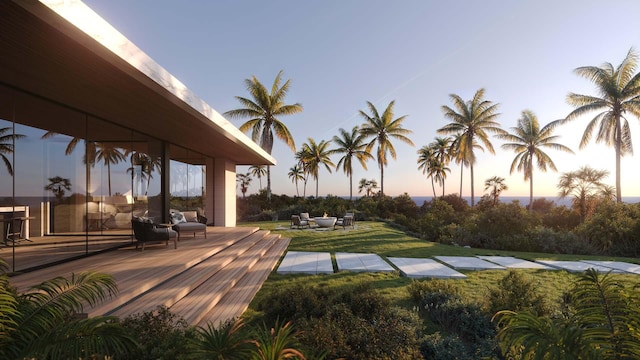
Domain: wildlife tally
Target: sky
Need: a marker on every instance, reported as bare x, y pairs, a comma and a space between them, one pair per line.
341, 54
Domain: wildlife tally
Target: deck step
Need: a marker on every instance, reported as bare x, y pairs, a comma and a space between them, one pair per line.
195, 305
237, 299
175, 288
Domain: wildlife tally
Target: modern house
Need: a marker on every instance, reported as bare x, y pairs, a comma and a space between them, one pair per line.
94, 132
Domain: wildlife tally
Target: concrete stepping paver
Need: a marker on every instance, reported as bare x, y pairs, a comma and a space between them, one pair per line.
419, 268
296, 262
617, 265
575, 266
514, 263
362, 262
468, 263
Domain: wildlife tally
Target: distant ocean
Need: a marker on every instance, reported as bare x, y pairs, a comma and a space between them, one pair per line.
524, 200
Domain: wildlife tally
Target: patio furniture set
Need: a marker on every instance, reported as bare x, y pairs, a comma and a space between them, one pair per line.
304, 220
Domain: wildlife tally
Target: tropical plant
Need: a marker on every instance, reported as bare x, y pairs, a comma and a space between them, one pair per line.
277, 344
602, 323
42, 323
109, 154
382, 128
7, 139
263, 112
586, 186
244, 180
316, 155
442, 152
296, 174
227, 341
258, 171
302, 163
351, 145
473, 121
57, 185
497, 186
367, 186
527, 141
619, 94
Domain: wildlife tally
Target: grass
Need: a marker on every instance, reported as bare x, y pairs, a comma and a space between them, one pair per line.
381, 239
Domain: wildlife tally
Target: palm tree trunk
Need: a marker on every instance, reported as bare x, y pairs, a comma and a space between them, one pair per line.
381, 179
442, 187
350, 187
109, 175
461, 169
618, 152
531, 190
268, 183
472, 193
317, 182
433, 187
297, 189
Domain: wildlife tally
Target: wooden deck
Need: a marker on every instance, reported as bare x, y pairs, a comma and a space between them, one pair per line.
204, 280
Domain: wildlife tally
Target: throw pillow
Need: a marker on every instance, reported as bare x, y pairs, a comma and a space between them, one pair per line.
191, 216
177, 218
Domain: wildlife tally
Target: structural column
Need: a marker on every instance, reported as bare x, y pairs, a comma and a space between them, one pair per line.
221, 192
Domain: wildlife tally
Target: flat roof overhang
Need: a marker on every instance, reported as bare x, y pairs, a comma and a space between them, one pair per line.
98, 71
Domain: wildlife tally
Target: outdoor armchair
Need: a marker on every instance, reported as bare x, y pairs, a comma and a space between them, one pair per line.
144, 230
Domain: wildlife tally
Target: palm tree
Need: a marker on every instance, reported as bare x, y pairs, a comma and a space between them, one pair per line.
301, 156
57, 185
258, 171
263, 113
351, 144
382, 128
586, 185
243, 180
527, 141
619, 90
316, 155
474, 119
442, 153
428, 163
7, 139
368, 186
40, 323
109, 154
459, 156
296, 174
497, 186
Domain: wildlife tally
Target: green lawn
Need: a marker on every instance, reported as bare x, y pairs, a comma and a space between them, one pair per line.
381, 239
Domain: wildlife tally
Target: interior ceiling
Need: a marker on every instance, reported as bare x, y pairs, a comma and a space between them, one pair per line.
37, 57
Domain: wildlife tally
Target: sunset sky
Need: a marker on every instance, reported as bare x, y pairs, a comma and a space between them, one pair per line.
341, 54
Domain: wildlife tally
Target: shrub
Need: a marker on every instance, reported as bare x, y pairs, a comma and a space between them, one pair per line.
296, 302
516, 292
613, 227
160, 334
438, 347
431, 293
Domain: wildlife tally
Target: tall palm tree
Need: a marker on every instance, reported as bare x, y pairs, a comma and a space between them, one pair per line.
7, 139
263, 112
301, 156
351, 144
258, 171
315, 156
382, 128
497, 186
442, 153
296, 174
586, 186
109, 154
473, 120
432, 166
527, 140
619, 94
459, 156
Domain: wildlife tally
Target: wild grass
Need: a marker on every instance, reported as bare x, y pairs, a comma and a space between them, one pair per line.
381, 239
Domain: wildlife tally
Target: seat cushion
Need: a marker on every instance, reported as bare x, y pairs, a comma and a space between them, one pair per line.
189, 226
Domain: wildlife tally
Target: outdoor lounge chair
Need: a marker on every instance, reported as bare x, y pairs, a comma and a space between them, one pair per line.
144, 230
297, 222
347, 220
189, 222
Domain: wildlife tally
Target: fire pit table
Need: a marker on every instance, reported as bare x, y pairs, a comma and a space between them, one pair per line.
325, 222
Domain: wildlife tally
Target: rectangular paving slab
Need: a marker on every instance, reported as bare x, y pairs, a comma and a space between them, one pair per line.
468, 263
574, 266
617, 265
514, 263
297, 262
362, 262
420, 268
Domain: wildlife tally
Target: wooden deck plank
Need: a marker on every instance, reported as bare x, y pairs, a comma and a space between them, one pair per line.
175, 288
236, 300
202, 299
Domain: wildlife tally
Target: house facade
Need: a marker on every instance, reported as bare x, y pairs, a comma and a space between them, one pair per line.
94, 132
